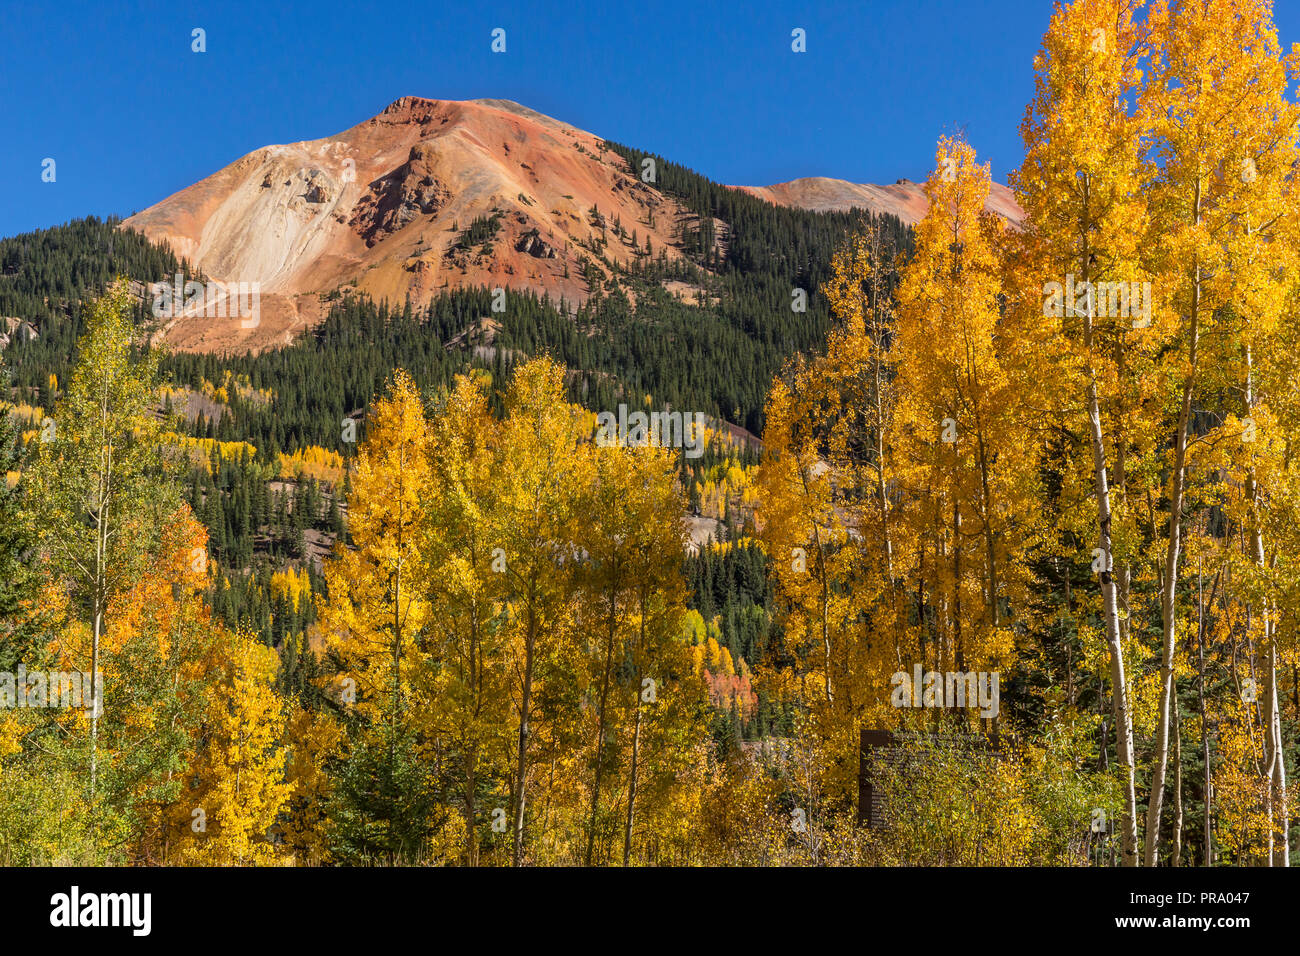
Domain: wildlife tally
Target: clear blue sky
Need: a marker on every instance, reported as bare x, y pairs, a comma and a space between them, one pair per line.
114, 94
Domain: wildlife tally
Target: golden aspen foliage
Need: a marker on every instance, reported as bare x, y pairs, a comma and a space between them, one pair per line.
237, 780
962, 456
312, 462
377, 608
464, 671
293, 585
1223, 154
311, 738
1082, 302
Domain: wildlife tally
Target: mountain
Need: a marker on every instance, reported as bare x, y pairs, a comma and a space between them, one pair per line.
434, 195
904, 199
426, 196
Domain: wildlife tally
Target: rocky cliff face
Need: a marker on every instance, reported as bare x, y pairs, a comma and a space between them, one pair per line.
393, 201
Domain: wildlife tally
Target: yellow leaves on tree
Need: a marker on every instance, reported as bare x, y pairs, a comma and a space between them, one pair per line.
377, 605
236, 784
312, 462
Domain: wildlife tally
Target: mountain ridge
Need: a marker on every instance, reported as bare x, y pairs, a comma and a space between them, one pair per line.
903, 198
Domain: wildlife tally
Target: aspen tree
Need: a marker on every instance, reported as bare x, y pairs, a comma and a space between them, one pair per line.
1080, 187
1219, 116
377, 611
377, 605
464, 673
539, 446
957, 428
98, 490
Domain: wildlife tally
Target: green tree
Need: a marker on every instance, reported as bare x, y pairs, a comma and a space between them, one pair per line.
98, 489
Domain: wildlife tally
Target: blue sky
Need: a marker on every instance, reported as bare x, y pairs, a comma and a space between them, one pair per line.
114, 94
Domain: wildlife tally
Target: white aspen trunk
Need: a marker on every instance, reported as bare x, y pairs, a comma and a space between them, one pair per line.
1110, 608
1169, 583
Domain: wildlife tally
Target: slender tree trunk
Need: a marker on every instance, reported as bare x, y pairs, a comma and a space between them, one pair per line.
632, 780
1069, 652
958, 650
825, 612
1274, 750
882, 501
1281, 850
1169, 583
882, 495
1208, 837
878, 323
525, 701
94, 713
994, 616
397, 655
472, 745
825, 593
1124, 570
100, 591
100, 602
1176, 852
471, 831
1110, 610
600, 722
636, 744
